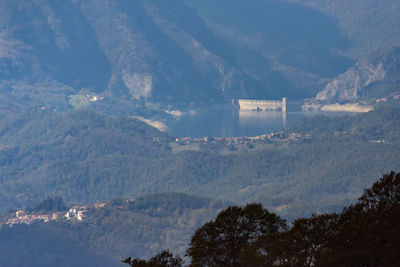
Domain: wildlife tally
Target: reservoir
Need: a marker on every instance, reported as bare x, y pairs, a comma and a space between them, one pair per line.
232, 122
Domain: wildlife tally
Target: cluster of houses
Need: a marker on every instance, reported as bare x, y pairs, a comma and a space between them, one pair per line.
265, 138
77, 213
385, 99
22, 218
93, 98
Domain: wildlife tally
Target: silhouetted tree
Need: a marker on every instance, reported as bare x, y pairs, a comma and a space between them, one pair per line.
301, 245
221, 242
364, 234
162, 259
369, 231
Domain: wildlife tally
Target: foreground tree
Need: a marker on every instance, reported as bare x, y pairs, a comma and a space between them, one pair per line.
369, 231
301, 245
223, 241
364, 234
162, 259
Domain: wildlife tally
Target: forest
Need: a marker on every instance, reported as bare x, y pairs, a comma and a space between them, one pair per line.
85, 157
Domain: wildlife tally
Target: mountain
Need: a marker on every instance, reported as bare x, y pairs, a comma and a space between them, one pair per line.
369, 81
51, 149
182, 53
372, 26
375, 38
177, 52
109, 232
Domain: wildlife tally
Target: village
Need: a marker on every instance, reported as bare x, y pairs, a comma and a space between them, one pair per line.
264, 138
76, 213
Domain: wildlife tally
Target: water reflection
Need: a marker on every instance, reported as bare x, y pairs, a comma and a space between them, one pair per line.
265, 118
228, 123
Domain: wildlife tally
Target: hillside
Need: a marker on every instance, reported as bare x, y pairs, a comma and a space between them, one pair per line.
85, 178
372, 26
43, 153
87, 157
98, 234
181, 53
369, 81
142, 55
110, 232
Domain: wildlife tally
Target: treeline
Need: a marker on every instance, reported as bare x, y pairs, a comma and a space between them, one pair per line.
382, 123
55, 204
363, 234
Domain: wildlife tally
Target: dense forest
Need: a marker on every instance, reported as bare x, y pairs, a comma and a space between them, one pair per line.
86, 157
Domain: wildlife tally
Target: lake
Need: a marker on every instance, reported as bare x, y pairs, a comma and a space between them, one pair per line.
232, 122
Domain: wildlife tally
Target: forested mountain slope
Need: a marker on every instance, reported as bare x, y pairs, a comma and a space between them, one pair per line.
371, 25
86, 157
110, 232
182, 53
42, 150
248, 234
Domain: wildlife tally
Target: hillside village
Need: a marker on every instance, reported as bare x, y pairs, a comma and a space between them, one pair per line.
75, 213
280, 136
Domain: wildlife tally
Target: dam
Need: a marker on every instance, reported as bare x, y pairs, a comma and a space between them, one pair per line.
260, 105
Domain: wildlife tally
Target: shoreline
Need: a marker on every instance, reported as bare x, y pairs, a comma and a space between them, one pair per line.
346, 108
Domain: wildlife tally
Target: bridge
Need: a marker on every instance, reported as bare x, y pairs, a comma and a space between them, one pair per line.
259, 105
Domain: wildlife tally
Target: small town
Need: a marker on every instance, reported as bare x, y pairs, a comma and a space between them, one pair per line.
265, 138
76, 213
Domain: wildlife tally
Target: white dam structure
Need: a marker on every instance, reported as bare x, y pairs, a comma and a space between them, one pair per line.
260, 105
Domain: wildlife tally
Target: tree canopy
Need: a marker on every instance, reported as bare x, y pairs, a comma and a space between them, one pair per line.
49, 205
162, 259
364, 234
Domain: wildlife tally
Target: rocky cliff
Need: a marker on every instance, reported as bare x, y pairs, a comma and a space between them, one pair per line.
366, 81
347, 86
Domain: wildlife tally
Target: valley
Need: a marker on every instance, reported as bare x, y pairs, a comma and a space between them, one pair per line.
121, 132
88, 157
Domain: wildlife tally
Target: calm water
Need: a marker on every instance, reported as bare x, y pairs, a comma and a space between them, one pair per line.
229, 122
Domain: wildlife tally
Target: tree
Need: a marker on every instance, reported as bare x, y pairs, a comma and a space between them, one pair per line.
364, 234
162, 259
49, 205
301, 245
369, 231
221, 242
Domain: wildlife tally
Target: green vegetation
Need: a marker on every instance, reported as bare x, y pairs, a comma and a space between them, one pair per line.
382, 123
86, 157
223, 241
260, 49
48, 205
47, 245
238, 236
138, 227
364, 234
78, 101
164, 258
